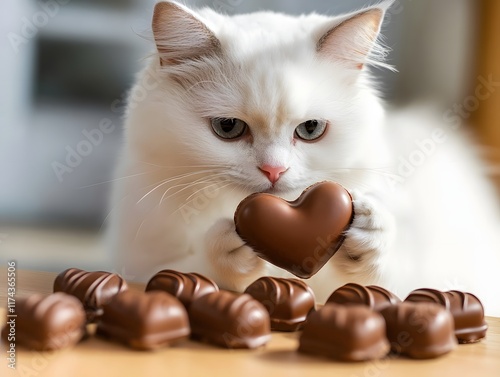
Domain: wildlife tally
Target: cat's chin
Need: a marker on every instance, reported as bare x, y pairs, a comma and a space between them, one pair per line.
274, 191
285, 192
281, 189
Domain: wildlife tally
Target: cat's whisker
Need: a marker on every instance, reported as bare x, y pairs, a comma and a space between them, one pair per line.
235, 186
191, 201
115, 180
214, 166
140, 226
206, 187
183, 186
155, 188
380, 171
149, 172
360, 168
171, 179
110, 212
188, 185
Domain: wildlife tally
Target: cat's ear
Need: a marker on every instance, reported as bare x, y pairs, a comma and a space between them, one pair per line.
180, 36
352, 40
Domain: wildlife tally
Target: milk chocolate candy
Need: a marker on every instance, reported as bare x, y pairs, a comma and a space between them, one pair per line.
299, 236
467, 311
375, 297
420, 330
345, 333
288, 301
93, 289
429, 295
185, 286
46, 323
144, 320
229, 320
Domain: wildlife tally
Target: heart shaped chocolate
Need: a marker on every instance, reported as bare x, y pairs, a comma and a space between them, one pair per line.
299, 236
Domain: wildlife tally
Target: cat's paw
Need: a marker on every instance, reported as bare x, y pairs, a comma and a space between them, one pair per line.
371, 233
234, 262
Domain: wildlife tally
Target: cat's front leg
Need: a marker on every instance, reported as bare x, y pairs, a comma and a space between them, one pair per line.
234, 262
368, 239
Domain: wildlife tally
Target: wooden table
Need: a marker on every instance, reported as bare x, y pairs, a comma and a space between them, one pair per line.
95, 357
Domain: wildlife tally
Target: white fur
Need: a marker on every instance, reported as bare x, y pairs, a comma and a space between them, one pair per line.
178, 185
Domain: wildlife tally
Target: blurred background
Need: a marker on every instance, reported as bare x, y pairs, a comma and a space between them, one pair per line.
66, 66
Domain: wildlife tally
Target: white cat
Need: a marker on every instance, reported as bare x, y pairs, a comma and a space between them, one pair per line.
232, 105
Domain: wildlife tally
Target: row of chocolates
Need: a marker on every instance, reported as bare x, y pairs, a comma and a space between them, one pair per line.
357, 322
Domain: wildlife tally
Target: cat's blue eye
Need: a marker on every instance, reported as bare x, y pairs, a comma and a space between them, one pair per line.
229, 128
311, 130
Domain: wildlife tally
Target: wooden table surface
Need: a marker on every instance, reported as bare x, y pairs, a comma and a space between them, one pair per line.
95, 357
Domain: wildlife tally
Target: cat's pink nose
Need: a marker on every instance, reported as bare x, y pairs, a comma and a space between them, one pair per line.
273, 172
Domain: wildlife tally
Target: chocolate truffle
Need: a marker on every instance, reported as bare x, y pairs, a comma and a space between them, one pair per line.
375, 297
45, 323
185, 286
420, 330
288, 301
429, 295
299, 236
230, 320
93, 289
345, 333
468, 315
144, 320
467, 311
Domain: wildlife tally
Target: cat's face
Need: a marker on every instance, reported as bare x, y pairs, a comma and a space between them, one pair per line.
275, 107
